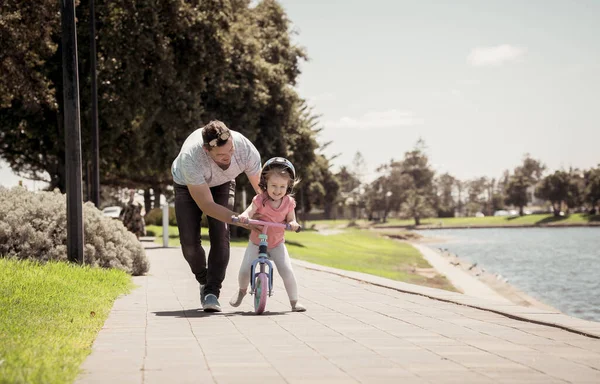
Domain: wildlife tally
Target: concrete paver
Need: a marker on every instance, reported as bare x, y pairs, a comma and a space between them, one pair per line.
377, 331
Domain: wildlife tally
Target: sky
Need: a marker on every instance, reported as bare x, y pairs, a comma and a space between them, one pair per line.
481, 82
9, 179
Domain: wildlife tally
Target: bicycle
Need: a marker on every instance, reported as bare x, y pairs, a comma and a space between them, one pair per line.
263, 279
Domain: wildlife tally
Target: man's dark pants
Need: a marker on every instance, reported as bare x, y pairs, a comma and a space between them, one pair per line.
189, 217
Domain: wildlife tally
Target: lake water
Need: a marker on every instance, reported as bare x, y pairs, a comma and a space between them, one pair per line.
558, 266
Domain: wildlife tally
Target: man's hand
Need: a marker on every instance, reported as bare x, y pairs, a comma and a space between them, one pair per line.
244, 222
244, 219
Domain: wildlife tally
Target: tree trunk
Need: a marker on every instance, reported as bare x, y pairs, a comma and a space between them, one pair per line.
417, 221
59, 180
303, 210
147, 201
520, 210
327, 208
459, 203
556, 208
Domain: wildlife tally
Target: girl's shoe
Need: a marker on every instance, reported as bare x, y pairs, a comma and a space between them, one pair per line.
297, 307
236, 300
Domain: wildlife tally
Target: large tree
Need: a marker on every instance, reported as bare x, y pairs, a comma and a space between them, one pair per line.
516, 192
525, 176
476, 191
560, 187
30, 126
407, 185
445, 186
165, 67
592, 187
320, 188
418, 183
348, 181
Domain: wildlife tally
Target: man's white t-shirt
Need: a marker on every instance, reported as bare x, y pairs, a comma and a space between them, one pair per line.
193, 166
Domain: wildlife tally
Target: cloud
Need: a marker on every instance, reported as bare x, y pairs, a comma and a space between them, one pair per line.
498, 55
376, 119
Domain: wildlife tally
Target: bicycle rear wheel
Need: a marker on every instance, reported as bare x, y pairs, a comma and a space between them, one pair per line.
261, 291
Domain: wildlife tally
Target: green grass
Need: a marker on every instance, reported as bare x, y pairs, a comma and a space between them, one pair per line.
157, 230
362, 251
527, 220
352, 250
50, 315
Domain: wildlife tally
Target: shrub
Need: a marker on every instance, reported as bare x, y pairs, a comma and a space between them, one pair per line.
33, 226
154, 217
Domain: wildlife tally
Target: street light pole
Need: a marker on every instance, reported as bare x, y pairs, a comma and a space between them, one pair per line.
388, 194
72, 133
95, 177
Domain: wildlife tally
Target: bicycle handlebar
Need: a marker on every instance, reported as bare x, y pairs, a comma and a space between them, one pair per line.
236, 220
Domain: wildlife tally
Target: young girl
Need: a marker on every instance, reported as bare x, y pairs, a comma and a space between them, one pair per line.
275, 204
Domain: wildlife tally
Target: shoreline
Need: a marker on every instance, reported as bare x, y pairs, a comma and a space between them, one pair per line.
466, 277
497, 283
483, 226
471, 279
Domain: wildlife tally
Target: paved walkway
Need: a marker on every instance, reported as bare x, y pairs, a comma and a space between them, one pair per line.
358, 329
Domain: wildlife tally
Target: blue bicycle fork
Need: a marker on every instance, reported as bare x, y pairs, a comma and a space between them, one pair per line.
263, 259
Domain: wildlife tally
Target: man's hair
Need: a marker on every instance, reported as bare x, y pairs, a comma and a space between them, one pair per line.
215, 134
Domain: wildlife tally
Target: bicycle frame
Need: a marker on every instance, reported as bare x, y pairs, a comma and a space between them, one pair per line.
262, 260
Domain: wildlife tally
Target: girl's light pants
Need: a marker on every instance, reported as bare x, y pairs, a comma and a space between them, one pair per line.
279, 255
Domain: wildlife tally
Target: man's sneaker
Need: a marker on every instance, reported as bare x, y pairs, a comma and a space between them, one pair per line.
202, 294
211, 303
236, 300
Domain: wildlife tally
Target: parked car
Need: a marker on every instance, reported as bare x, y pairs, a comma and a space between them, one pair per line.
113, 212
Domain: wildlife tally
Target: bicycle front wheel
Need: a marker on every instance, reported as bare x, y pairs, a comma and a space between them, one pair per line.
261, 291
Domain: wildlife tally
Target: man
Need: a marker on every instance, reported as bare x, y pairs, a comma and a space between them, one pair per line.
204, 175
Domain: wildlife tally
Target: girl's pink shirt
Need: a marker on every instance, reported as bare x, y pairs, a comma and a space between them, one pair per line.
265, 212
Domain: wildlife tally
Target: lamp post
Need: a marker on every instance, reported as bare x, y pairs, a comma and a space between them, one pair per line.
388, 194
72, 133
95, 176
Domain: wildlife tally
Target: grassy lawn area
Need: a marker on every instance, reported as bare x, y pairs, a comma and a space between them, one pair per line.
544, 219
50, 315
363, 251
157, 231
352, 250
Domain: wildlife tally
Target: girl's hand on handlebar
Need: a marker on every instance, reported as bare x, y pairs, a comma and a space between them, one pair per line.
295, 226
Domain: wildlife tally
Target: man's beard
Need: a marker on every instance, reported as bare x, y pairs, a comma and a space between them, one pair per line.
224, 166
